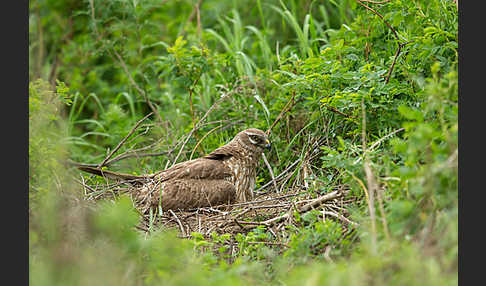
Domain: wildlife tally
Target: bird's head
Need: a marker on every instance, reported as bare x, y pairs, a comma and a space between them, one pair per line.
254, 139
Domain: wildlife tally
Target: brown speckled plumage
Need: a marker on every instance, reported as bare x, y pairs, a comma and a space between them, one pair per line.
226, 175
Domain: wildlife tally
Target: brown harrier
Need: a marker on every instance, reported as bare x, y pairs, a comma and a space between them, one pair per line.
224, 176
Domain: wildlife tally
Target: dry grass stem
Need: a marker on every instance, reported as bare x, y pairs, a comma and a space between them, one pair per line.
199, 123
271, 171
370, 180
204, 137
123, 140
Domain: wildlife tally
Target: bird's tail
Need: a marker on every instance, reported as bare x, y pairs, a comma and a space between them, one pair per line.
110, 174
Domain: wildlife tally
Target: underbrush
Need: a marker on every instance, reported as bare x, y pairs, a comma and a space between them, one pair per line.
356, 97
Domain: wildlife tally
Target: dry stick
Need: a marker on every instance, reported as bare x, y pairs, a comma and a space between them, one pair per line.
135, 152
121, 157
339, 216
84, 185
393, 63
379, 15
326, 254
378, 192
194, 12
305, 208
382, 213
270, 170
204, 137
279, 176
178, 222
339, 112
124, 139
250, 223
370, 180
197, 126
385, 137
256, 202
400, 45
138, 155
284, 110
374, 145
132, 81
211, 131
285, 171
308, 207
269, 206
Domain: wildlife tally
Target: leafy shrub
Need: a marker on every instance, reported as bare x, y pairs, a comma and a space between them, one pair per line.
321, 68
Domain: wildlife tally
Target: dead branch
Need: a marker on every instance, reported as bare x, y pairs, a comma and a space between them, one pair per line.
194, 12
280, 175
286, 109
305, 208
400, 45
123, 140
178, 222
340, 217
374, 145
271, 171
137, 87
211, 131
199, 123
330, 108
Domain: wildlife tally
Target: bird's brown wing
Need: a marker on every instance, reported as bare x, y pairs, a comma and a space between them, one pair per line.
197, 183
201, 168
193, 193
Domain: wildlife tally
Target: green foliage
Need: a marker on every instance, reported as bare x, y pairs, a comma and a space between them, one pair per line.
313, 239
45, 121
93, 65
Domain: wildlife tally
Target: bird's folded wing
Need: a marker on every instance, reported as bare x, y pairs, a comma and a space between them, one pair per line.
200, 168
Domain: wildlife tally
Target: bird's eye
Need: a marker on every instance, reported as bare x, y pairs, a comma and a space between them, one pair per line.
255, 139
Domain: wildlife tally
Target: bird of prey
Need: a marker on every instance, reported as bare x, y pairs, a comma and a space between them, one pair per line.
226, 175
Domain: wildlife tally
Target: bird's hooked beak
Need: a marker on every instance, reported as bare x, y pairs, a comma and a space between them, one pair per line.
268, 145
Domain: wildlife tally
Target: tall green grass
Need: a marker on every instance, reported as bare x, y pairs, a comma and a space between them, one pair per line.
327, 58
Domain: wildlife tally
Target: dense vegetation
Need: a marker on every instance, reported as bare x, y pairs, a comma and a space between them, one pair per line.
374, 83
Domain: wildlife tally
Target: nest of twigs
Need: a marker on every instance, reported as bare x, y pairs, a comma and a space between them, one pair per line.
274, 211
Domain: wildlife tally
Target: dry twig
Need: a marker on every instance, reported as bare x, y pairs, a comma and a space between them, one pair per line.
199, 123
121, 62
286, 109
270, 170
178, 222
124, 140
400, 45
